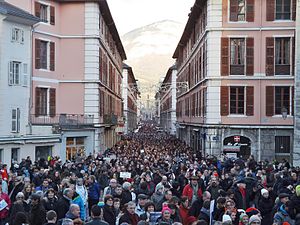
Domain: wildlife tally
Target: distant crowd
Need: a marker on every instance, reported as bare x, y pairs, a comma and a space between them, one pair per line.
149, 178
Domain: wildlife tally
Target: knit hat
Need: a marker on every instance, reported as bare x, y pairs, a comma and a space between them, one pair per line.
298, 190
254, 218
264, 191
166, 208
226, 218
252, 211
242, 216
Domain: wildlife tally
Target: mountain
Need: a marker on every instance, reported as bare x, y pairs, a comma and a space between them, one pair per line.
149, 50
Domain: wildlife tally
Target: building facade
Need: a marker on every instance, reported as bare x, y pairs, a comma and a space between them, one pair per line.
167, 102
238, 58
130, 96
76, 76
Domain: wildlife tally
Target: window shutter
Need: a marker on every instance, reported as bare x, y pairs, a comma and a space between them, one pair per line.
18, 119
270, 10
250, 11
250, 101
37, 101
269, 101
100, 64
270, 56
52, 102
37, 9
293, 56
293, 99
52, 56
13, 120
294, 2
52, 15
10, 73
37, 53
250, 56
224, 101
234, 8
25, 79
224, 56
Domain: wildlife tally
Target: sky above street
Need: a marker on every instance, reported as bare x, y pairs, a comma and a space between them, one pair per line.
131, 14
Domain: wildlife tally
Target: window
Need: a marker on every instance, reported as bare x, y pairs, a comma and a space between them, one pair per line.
44, 13
1, 155
241, 10
44, 54
17, 35
282, 147
45, 101
282, 56
282, 100
74, 147
283, 9
15, 155
15, 120
237, 100
237, 56
14, 73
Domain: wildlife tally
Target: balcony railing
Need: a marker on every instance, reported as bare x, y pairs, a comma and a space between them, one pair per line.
110, 119
63, 120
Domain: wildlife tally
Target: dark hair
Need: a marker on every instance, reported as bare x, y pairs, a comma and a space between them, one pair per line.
107, 197
148, 204
51, 215
96, 210
20, 218
206, 204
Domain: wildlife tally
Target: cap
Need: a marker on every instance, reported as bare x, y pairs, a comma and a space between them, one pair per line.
254, 218
194, 178
283, 195
35, 196
142, 196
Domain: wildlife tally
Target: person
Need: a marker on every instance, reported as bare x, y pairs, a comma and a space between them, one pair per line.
51, 217
194, 210
110, 189
129, 216
254, 220
63, 203
78, 201
204, 212
50, 200
20, 219
93, 192
4, 213
166, 216
192, 190
96, 213
244, 219
15, 187
241, 195
82, 191
67, 221
37, 215
142, 199
149, 208
109, 213
184, 209
158, 195
20, 205
220, 209
73, 212
265, 206
283, 214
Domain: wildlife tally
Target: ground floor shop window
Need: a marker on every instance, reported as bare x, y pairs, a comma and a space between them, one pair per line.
42, 152
15, 154
282, 148
75, 147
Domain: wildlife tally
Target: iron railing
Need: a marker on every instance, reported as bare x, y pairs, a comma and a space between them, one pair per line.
62, 119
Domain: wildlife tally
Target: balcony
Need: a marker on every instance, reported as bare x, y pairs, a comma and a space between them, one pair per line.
63, 120
110, 119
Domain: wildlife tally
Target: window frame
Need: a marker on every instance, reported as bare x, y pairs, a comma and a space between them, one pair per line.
44, 63
239, 50
44, 109
17, 35
45, 9
282, 11
237, 94
15, 120
14, 74
282, 100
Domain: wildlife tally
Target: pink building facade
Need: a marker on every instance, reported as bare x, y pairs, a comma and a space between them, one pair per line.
239, 60
77, 74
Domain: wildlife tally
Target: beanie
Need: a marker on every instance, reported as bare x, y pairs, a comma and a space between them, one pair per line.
166, 208
254, 218
263, 191
298, 190
226, 218
242, 216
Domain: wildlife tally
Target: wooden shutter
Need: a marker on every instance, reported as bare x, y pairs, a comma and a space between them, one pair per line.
250, 10
270, 10
37, 101
269, 101
224, 100
224, 56
293, 56
270, 56
37, 53
100, 64
250, 101
52, 15
52, 102
249, 56
37, 9
52, 56
234, 8
10, 73
294, 2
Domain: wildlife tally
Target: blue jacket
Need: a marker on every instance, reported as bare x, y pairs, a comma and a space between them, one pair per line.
94, 191
78, 201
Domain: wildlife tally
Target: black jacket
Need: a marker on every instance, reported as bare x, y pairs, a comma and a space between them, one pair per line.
37, 215
109, 215
265, 206
97, 222
62, 207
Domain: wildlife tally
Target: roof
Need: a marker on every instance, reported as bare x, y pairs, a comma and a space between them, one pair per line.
105, 12
169, 72
8, 9
193, 16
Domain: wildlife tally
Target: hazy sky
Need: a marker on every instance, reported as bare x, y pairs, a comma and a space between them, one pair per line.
131, 14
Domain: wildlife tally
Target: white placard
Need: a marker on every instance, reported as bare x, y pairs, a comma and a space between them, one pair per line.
3, 204
125, 175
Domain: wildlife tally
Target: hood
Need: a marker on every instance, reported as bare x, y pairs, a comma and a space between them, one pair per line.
282, 210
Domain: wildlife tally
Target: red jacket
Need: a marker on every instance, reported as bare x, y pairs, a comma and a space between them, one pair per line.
4, 212
188, 191
184, 214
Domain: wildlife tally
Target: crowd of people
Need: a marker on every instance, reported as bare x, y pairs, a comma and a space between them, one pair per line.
150, 178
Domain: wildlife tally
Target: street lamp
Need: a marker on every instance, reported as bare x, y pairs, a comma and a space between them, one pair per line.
284, 113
